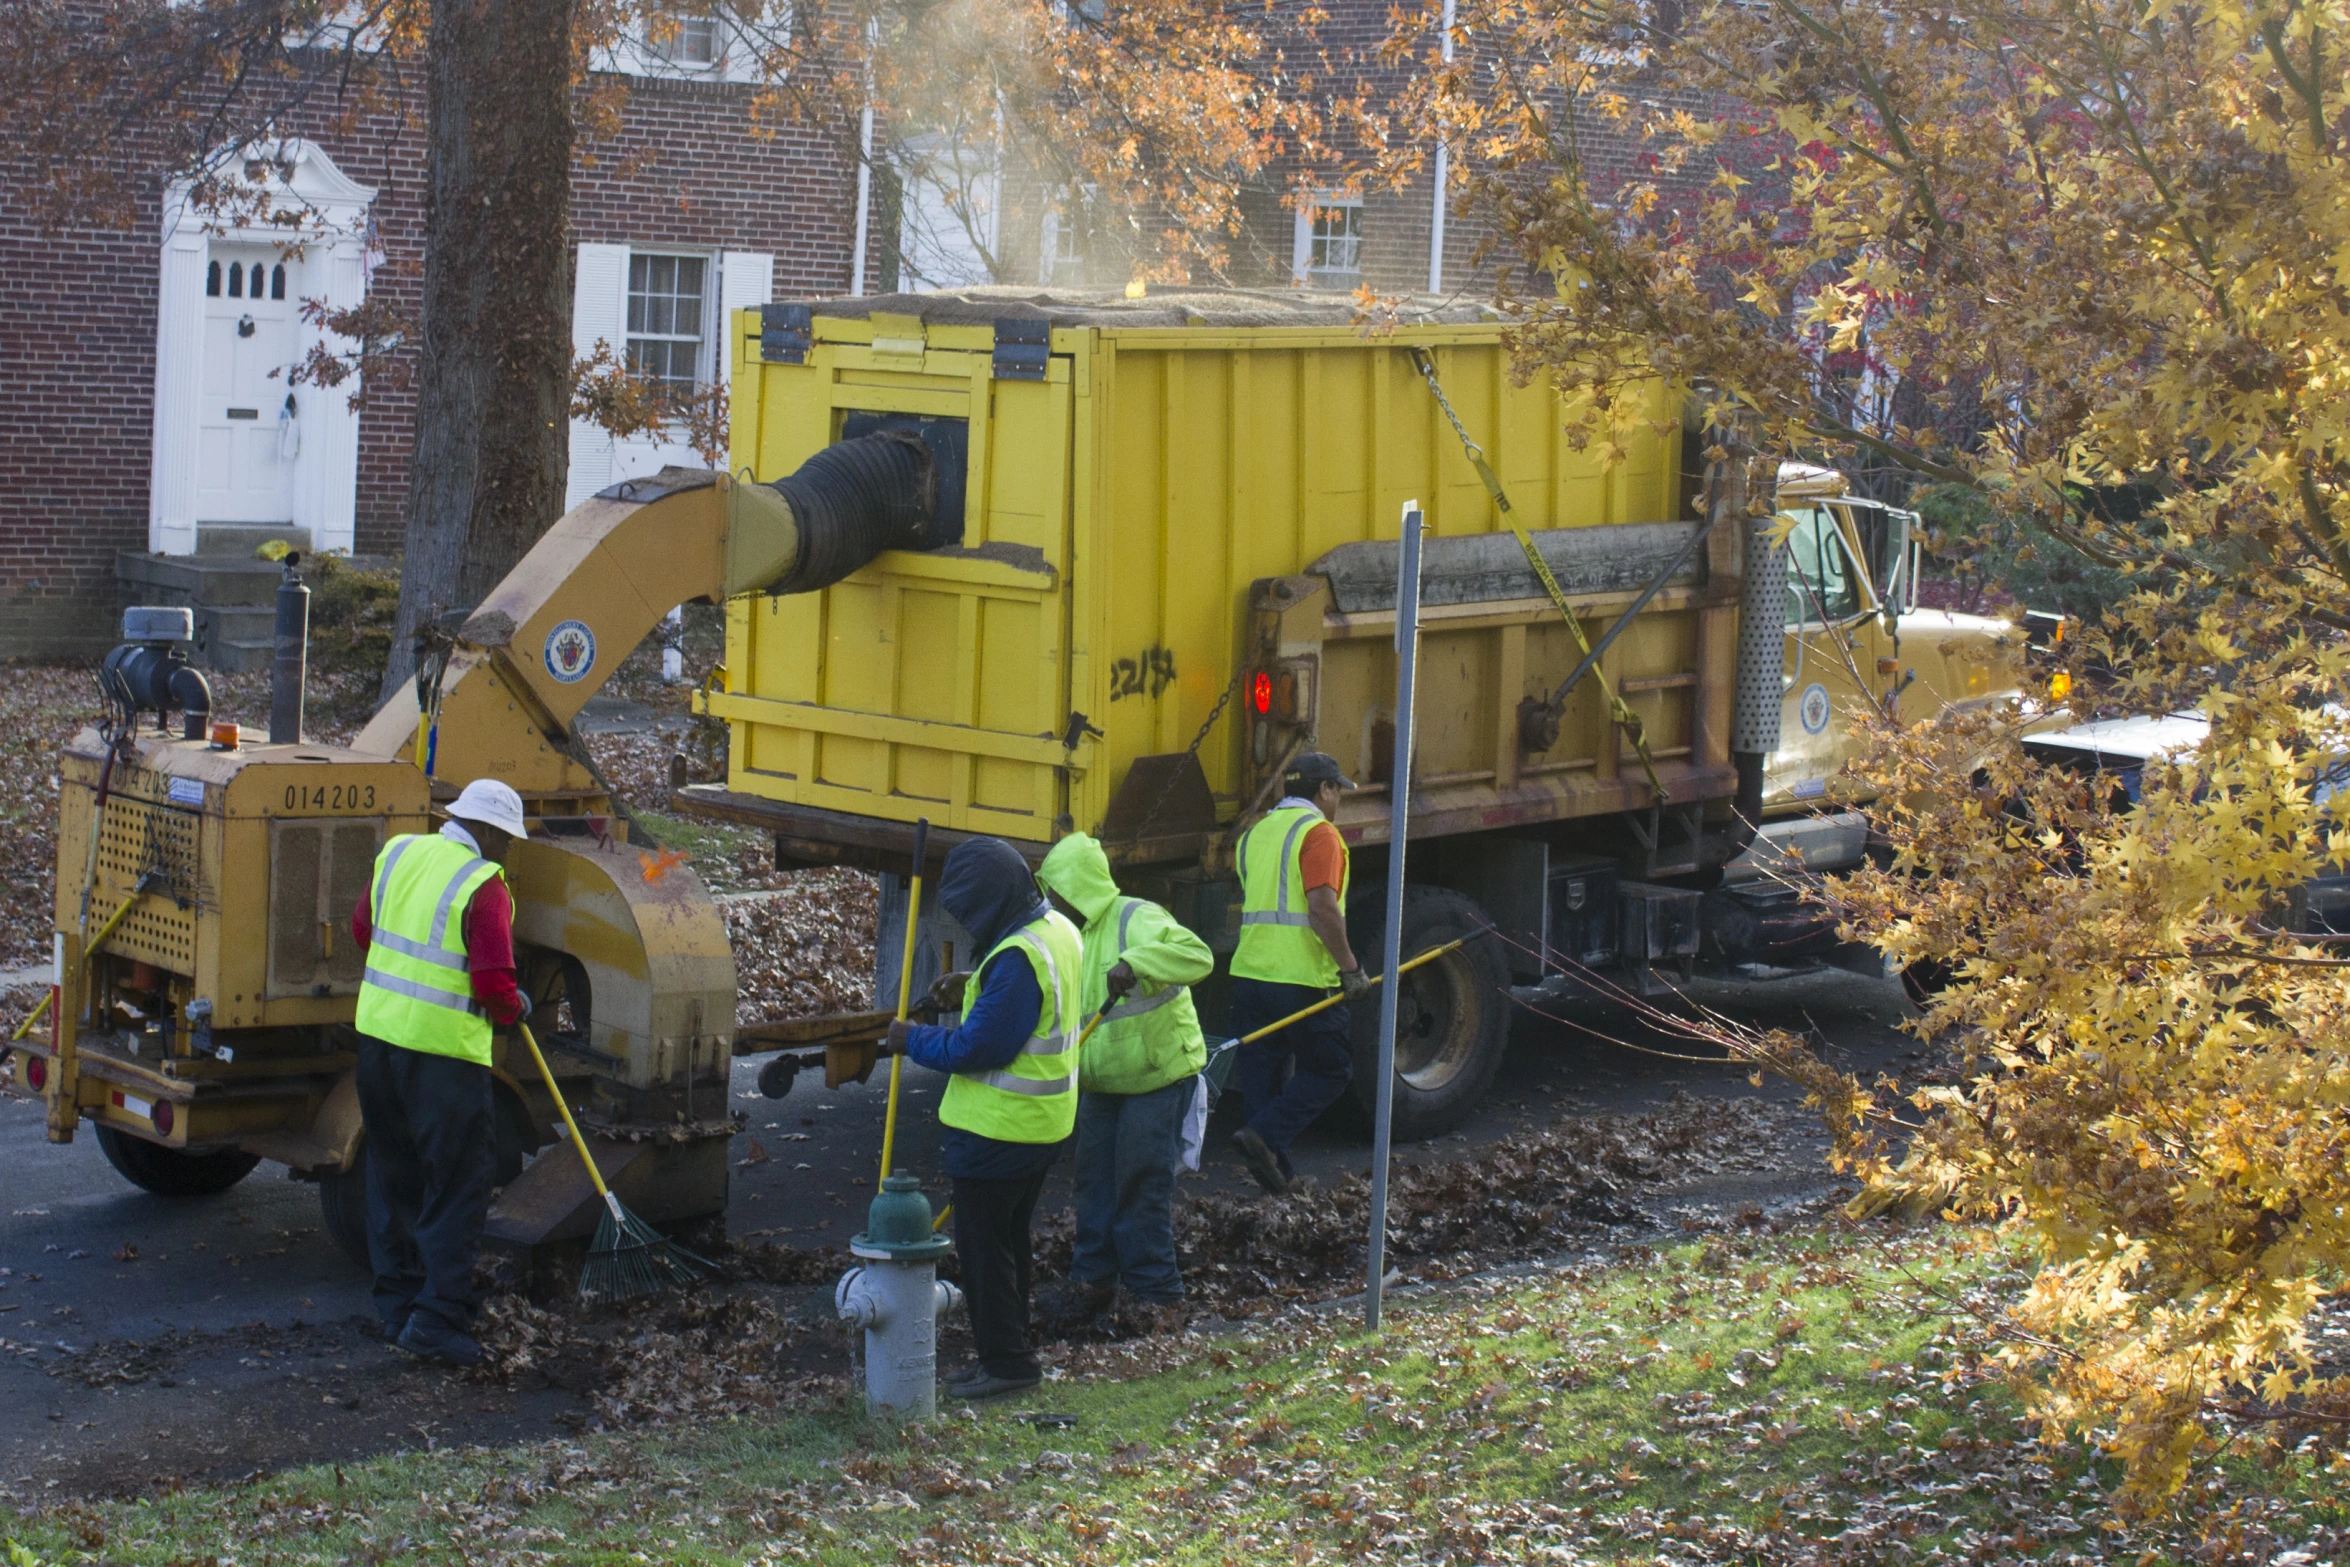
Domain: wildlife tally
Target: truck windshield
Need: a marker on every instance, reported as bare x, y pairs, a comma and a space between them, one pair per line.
1821, 585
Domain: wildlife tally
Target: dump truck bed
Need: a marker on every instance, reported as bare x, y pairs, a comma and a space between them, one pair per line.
1164, 499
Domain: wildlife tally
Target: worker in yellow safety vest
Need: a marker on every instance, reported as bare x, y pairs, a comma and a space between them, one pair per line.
437, 932
1293, 952
1011, 1096
1137, 1077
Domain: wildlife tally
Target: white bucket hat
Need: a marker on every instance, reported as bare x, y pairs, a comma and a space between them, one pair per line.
491, 803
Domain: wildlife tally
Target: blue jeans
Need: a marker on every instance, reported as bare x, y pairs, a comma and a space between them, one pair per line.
1127, 1148
1323, 1046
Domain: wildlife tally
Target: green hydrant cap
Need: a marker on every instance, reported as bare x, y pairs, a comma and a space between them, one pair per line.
897, 1227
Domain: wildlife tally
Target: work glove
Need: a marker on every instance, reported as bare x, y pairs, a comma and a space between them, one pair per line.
1355, 983
1120, 981
899, 1032
945, 993
528, 1006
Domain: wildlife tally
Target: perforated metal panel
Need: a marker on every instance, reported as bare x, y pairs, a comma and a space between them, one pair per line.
318, 872
140, 837
1762, 645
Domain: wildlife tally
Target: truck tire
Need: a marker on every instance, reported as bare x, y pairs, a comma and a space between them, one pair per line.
173, 1172
1452, 1017
342, 1196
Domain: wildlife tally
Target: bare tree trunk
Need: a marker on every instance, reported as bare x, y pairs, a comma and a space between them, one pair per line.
494, 389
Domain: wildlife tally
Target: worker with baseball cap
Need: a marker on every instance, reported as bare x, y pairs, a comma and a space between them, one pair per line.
1293, 952
437, 932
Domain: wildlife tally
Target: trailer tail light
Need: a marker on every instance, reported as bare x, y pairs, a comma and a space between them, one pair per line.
36, 1072
1284, 691
163, 1117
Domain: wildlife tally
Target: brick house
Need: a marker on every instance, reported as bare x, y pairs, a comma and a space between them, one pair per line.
140, 414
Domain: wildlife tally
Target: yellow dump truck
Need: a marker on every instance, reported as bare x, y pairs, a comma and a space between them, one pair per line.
1174, 565
1017, 564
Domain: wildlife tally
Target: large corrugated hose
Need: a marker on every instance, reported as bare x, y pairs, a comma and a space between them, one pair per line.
855, 499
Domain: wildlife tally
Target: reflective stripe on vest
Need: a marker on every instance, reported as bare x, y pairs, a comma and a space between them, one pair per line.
417, 990
1277, 940
1034, 1098
1144, 1042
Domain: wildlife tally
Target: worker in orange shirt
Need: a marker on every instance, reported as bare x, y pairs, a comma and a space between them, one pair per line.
1293, 952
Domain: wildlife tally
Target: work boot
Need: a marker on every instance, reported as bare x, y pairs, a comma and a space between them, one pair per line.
1071, 1303
428, 1337
988, 1385
395, 1325
1263, 1163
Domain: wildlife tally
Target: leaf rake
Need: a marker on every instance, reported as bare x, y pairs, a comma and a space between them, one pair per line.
628, 1257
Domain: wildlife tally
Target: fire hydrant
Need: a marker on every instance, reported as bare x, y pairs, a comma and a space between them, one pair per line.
896, 1299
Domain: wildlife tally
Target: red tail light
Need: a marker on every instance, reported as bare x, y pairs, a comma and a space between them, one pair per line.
163, 1117
1261, 692
36, 1072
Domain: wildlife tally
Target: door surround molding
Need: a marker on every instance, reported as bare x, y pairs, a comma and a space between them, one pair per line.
289, 195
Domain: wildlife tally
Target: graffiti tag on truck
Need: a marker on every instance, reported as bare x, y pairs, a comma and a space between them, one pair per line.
1147, 675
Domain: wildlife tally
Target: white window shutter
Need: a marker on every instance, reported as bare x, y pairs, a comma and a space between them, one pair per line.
746, 280
599, 314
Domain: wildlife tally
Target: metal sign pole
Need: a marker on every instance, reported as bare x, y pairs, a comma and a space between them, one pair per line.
1407, 654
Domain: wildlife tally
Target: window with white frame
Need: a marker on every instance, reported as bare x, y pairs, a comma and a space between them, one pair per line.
695, 42
668, 317
1330, 243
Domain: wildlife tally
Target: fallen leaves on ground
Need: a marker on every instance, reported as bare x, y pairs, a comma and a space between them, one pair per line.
658, 1361
1528, 1196
805, 950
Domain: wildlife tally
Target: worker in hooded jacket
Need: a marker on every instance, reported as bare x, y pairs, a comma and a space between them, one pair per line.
1011, 1097
1137, 1073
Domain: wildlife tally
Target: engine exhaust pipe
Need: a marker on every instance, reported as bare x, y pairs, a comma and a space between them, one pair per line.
290, 668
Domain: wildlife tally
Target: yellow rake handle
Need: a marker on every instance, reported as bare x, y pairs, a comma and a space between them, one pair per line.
889, 1121
1430, 956
564, 1110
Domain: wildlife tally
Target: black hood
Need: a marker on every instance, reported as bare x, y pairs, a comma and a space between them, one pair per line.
989, 891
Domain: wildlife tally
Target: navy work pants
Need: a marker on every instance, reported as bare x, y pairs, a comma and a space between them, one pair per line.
1127, 1148
992, 1243
431, 1162
1322, 1047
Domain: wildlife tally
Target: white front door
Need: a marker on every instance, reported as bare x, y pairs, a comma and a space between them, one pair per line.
249, 432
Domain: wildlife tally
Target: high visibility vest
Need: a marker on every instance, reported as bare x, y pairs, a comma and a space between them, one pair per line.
1149, 1039
418, 989
1277, 940
1034, 1098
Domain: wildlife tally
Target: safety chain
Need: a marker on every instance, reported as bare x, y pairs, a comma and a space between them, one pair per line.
1625, 718
1167, 789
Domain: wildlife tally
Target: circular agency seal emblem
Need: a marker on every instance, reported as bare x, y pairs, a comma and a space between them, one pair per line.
1813, 709
571, 651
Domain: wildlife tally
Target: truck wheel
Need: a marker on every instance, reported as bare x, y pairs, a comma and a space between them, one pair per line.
1452, 1017
173, 1172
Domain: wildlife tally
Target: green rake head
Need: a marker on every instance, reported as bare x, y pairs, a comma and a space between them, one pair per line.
630, 1258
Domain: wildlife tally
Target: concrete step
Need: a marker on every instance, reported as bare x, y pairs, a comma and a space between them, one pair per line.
236, 636
239, 540
197, 580
231, 657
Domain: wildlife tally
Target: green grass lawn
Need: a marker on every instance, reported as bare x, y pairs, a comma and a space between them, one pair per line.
1799, 1399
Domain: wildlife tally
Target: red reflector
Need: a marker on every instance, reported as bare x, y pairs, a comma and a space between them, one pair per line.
162, 1117
1261, 693
36, 1072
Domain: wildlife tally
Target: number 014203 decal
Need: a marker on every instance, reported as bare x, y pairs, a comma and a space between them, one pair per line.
330, 797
